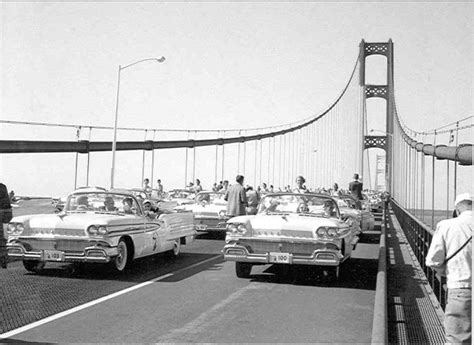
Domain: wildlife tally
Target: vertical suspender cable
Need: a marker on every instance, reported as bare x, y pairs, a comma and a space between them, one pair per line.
268, 164
217, 158
238, 157
88, 158
245, 155
223, 157
273, 161
456, 163
78, 134
261, 161
186, 166
433, 183
255, 166
194, 158
143, 160
153, 160
447, 190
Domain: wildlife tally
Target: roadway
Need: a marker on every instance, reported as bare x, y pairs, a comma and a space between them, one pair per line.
193, 298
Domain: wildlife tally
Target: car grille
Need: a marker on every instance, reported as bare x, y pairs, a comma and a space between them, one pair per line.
262, 247
70, 246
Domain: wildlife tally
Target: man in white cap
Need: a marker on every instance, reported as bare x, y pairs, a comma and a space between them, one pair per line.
450, 254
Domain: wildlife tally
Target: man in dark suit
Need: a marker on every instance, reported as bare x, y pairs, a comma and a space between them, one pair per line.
355, 188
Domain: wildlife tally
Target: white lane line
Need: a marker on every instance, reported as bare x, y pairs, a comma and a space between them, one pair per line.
99, 300
213, 315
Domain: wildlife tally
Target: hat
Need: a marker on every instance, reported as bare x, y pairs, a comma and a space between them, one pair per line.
146, 201
462, 197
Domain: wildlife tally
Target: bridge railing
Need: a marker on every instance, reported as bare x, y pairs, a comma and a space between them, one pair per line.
419, 237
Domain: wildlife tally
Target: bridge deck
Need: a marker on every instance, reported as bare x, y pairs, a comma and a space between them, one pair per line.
414, 315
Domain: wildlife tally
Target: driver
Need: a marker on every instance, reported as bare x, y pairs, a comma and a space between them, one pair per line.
82, 202
329, 209
109, 204
302, 207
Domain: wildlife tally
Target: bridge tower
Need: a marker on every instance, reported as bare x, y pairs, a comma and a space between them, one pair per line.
384, 142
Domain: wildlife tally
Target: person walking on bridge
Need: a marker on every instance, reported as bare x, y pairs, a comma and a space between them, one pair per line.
355, 188
236, 198
450, 254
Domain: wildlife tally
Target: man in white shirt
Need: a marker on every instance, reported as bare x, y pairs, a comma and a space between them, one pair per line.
450, 254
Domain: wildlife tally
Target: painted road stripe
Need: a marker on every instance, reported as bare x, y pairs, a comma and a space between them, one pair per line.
97, 301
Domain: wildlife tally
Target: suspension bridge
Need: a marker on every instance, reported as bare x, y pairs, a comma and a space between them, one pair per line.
422, 170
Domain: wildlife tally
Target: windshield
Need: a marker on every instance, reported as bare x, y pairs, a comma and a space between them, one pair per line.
103, 202
180, 194
211, 198
306, 204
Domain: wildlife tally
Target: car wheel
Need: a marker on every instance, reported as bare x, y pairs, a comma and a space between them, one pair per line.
121, 261
243, 269
35, 266
176, 248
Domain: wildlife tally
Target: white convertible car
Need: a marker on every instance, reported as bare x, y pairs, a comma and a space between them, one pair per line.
210, 211
97, 227
294, 229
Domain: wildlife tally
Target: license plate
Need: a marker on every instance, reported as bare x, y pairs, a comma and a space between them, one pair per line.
53, 255
280, 258
201, 226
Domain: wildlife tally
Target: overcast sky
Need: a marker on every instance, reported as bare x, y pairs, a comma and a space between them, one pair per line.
228, 65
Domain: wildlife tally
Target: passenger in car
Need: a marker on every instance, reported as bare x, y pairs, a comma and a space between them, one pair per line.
127, 205
149, 210
329, 209
109, 204
82, 203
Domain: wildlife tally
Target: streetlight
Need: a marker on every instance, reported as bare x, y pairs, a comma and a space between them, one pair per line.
114, 143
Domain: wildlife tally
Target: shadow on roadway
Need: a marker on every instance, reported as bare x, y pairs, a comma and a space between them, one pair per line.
140, 270
354, 274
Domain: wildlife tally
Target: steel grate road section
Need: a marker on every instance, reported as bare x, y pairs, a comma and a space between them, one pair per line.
414, 314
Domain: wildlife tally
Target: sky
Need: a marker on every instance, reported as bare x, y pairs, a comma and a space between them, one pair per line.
228, 65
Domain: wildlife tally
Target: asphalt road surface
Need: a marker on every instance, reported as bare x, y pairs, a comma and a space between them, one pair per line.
193, 298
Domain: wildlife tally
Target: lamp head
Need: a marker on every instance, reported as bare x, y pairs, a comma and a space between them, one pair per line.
161, 59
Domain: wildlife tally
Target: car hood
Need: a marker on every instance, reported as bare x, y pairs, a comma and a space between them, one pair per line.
71, 221
292, 225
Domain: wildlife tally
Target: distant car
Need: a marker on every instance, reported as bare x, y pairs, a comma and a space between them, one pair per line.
348, 207
97, 227
291, 229
210, 211
178, 197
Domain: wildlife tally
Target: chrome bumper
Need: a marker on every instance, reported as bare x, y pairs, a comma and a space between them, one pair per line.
320, 257
200, 225
91, 254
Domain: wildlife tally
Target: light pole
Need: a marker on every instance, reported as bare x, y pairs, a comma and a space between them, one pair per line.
114, 143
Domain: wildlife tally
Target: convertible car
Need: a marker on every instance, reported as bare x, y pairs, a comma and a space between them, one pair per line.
209, 210
291, 228
348, 208
97, 227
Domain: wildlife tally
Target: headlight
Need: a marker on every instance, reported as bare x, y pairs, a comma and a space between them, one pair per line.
92, 230
15, 228
242, 229
222, 213
327, 232
321, 232
102, 230
237, 229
